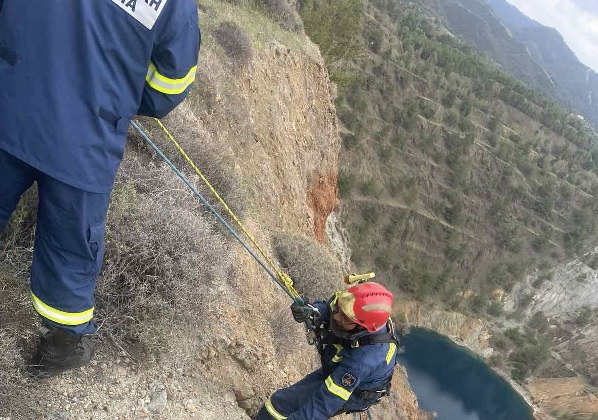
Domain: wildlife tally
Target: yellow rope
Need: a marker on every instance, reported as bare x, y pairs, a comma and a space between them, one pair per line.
282, 277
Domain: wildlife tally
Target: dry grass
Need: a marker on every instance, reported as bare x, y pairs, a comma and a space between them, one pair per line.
17, 339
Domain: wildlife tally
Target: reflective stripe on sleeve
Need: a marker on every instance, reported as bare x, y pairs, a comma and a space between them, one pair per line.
273, 412
336, 357
391, 352
167, 85
61, 317
339, 391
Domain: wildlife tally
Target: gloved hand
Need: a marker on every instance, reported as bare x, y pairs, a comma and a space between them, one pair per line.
302, 313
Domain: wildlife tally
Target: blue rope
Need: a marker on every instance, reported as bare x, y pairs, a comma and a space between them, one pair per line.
212, 210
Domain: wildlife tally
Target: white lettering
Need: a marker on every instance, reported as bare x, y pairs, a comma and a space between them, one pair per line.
131, 4
155, 3
145, 12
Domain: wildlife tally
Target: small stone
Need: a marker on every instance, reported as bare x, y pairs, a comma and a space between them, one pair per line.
190, 406
158, 399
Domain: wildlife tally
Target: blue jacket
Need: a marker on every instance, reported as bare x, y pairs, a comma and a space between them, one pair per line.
74, 72
348, 370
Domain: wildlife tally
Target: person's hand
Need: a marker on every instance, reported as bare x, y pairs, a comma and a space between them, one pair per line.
302, 313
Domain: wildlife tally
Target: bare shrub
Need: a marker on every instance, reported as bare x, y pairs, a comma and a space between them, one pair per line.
283, 13
16, 245
214, 162
314, 269
235, 42
162, 256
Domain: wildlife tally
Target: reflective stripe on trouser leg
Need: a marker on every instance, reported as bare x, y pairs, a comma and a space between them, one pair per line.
68, 254
273, 411
286, 401
16, 177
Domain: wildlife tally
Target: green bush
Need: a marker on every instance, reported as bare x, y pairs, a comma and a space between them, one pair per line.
345, 182
371, 188
539, 322
336, 26
495, 309
528, 358
479, 303
350, 141
451, 118
370, 214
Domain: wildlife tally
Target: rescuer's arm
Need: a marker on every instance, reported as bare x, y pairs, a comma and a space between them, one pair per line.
172, 69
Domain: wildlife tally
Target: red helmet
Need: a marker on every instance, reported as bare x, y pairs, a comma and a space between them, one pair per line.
367, 304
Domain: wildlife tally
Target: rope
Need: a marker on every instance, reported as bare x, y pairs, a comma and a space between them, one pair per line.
282, 279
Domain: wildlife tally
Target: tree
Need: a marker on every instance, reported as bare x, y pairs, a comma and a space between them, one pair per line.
335, 25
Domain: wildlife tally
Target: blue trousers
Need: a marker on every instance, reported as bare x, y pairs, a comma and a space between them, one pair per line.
69, 243
288, 400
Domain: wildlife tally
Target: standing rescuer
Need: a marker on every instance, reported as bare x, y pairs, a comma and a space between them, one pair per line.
72, 75
358, 349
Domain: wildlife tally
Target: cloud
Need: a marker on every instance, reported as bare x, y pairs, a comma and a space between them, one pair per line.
576, 20
588, 6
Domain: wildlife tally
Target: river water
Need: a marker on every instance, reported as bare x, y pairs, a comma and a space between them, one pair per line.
455, 384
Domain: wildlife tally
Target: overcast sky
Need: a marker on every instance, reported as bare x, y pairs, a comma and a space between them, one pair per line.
576, 20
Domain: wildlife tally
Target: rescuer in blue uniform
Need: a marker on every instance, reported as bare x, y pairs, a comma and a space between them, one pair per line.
358, 350
72, 75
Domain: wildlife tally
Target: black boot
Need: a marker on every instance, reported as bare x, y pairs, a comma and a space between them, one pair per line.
59, 351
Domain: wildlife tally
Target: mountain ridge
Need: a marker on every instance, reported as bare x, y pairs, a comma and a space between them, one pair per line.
577, 81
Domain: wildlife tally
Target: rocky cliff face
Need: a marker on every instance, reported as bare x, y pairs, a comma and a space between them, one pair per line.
272, 123
565, 289
567, 294
462, 329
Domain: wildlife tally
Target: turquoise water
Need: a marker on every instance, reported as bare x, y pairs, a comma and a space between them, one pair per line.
455, 384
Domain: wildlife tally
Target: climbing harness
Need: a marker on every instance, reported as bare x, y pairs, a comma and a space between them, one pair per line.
282, 279
370, 396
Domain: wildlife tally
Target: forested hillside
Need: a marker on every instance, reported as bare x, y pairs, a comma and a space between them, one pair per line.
456, 179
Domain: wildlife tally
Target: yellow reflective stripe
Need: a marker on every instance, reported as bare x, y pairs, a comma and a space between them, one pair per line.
167, 85
336, 357
270, 408
390, 353
333, 301
61, 317
339, 391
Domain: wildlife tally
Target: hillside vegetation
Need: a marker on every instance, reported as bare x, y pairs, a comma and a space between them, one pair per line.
456, 179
